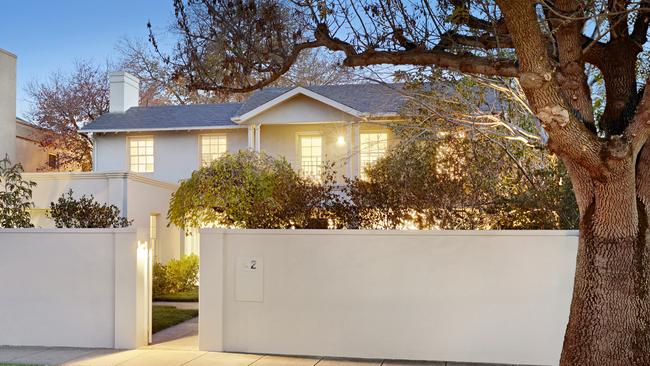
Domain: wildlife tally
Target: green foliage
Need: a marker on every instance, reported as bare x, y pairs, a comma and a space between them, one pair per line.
461, 183
85, 212
15, 196
250, 190
182, 274
189, 296
177, 276
159, 280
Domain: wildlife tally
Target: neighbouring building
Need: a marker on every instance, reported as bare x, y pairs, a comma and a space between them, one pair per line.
20, 140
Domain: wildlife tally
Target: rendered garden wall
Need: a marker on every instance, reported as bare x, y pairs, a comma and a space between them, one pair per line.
483, 296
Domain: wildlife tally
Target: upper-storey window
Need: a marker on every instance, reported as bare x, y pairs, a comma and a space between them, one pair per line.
141, 154
311, 156
373, 146
212, 148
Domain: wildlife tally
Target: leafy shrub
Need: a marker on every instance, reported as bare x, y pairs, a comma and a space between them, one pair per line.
179, 275
159, 280
250, 190
461, 184
182, 274
85, 212
15, 196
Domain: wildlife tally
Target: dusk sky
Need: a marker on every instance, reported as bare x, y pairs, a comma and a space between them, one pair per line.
50, 35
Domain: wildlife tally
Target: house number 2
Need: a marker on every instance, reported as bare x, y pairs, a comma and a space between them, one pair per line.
253, 264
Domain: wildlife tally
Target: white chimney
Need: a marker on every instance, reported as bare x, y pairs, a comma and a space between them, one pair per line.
7, 105
124, 92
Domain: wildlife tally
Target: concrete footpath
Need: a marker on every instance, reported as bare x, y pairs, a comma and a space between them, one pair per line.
168, 357
178, 346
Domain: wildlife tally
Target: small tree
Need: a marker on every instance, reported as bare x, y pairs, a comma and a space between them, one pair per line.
249, 190
85, 212
15, 196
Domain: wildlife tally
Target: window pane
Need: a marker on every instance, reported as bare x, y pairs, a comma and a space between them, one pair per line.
311, 156
141, 154
373, 147
212, 148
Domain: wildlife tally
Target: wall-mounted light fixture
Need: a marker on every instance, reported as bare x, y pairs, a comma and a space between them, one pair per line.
340, 141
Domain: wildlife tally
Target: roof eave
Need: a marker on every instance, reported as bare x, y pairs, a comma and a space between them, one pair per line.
191, 128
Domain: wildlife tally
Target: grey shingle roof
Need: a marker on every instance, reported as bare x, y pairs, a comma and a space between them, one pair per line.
374, 99
167, 117
366, 98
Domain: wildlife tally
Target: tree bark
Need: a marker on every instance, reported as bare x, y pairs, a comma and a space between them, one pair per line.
610, 310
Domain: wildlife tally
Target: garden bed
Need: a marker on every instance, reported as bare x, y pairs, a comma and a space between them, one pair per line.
189, 296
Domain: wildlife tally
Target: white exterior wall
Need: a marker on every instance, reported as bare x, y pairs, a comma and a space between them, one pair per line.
488, 296
301, 109
7, 105
137, 198
73, 288
176, 153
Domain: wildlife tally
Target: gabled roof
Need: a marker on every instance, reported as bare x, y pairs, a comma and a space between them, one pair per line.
171, 117
359, 100
367, 99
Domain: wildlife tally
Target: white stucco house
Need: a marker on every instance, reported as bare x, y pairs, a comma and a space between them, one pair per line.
142, 153
343, 124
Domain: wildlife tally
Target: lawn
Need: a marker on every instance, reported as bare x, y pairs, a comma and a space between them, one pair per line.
191, 296
164, 316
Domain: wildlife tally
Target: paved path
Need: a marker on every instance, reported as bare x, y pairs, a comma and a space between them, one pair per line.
179, 305
180, 337
177, 346
150, 356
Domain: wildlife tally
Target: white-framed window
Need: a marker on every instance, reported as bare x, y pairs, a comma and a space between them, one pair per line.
212, 148
141, 154
311, 156
373, 145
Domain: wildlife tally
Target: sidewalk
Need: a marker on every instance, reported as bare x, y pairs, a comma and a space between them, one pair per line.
178, 346
167, 357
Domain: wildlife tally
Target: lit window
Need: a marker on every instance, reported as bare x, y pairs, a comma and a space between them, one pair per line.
311, 156
212, 148
141, 154
373, 147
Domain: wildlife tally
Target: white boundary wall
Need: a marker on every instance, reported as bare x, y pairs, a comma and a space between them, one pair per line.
135, 195
73, 287
481, 296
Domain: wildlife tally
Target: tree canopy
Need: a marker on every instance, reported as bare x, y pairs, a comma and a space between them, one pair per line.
561, 53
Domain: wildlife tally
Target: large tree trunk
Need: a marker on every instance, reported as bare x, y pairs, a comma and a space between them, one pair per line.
610, 311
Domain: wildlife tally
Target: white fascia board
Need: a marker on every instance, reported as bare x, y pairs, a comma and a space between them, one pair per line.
108, 130
290, 94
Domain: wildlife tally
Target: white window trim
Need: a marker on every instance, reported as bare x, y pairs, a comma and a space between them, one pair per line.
128, 152
302, 134
369, 132
200, 145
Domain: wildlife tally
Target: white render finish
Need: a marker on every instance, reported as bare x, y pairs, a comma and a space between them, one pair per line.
273, 129
467, 296
72, 288
124, 92
301, 109
176, 153
136, 196
7, 105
